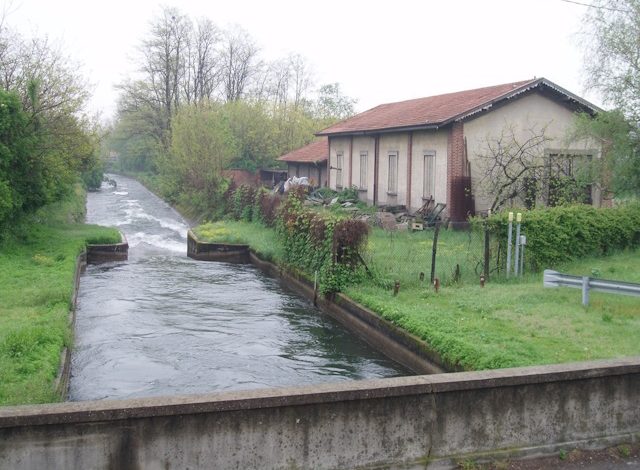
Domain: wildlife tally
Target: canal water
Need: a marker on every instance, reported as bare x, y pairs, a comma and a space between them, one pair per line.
163, 324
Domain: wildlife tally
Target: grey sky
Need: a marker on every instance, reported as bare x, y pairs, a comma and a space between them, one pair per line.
380, 51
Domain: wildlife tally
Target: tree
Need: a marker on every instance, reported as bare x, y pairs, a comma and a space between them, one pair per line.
16, 146
612, 64
612, 58
619, 165
332, 105
201, 147
61, 138
511, 165
239, 63
163, 65
203, 71
516, 166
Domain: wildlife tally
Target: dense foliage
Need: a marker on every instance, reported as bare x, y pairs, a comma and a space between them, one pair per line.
560, 234
203, 100
612, 28
37, 264
46, 141
318, 243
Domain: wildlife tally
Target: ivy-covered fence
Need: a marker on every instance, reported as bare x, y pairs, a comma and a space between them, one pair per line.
316, 242
564, 233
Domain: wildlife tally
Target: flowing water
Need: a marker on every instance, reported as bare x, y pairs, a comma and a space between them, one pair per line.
162, 324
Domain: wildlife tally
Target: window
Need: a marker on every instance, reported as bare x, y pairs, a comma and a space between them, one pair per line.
339, 162
567, 176
392, 188
363, 170
429, 175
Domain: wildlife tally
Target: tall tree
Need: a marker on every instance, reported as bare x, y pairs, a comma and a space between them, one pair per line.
332, 104
203, 72
164, 61
612, 58
612, 64
239, 63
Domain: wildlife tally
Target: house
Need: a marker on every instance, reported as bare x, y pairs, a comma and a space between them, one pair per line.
408, 152
309, 161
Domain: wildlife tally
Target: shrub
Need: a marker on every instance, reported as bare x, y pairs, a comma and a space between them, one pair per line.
242, 200
321, 242
265, 207
564, 233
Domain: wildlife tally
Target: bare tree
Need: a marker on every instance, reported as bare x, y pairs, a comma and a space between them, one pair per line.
240, 56
203, 71
302, 79
512, 165
163, 60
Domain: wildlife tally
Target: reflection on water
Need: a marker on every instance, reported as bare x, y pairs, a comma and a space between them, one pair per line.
162, 324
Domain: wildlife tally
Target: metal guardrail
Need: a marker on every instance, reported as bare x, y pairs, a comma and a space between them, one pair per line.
586, 283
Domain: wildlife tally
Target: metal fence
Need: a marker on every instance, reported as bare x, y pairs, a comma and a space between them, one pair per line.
459, 255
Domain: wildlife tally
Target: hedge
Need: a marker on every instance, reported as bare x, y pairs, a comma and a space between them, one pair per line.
564, 233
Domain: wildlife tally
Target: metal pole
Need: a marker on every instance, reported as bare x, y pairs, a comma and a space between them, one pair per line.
517, 261
523, 243
486, 251
433, 251
585, 291
509, 236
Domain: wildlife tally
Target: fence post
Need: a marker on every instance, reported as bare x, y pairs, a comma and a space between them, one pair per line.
486, 251
433, 251
585, 291
509, 236
517, 262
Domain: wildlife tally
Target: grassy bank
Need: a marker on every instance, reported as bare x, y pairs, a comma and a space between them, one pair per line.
37, 265
504, 324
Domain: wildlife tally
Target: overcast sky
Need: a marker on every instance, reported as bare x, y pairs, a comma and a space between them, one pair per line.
379, 51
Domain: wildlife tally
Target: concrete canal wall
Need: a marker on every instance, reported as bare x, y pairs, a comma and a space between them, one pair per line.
404, 422
410, 422
93, 254
108, 252
382, 335
227, 252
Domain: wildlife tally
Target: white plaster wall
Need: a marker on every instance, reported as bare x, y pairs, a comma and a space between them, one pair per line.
434, 141
393, 142
532, 111
337, 145
366, 144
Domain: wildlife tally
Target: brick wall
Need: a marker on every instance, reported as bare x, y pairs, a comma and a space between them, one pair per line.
455, 163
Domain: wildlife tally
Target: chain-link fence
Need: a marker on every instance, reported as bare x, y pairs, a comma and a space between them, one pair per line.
453, 255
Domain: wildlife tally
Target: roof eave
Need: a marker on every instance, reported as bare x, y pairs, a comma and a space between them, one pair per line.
386, 130
580, 102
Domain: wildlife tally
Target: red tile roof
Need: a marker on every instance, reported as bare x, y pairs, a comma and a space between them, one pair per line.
435, 111
317, 151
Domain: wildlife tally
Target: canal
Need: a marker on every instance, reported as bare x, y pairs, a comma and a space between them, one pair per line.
163, 324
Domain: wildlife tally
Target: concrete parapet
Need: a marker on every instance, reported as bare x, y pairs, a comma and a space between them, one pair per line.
406, 422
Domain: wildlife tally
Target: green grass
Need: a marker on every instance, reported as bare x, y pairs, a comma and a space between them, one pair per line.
507, 323
404, 255
37, 265
262, 240
518, 322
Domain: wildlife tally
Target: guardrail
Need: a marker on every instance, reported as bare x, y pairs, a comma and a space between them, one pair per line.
586, 283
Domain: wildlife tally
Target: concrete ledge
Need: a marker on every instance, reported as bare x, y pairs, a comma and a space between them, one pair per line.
61, 382
398, 422
395, 343
101, 410
108, 252
382, 335
226, 252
